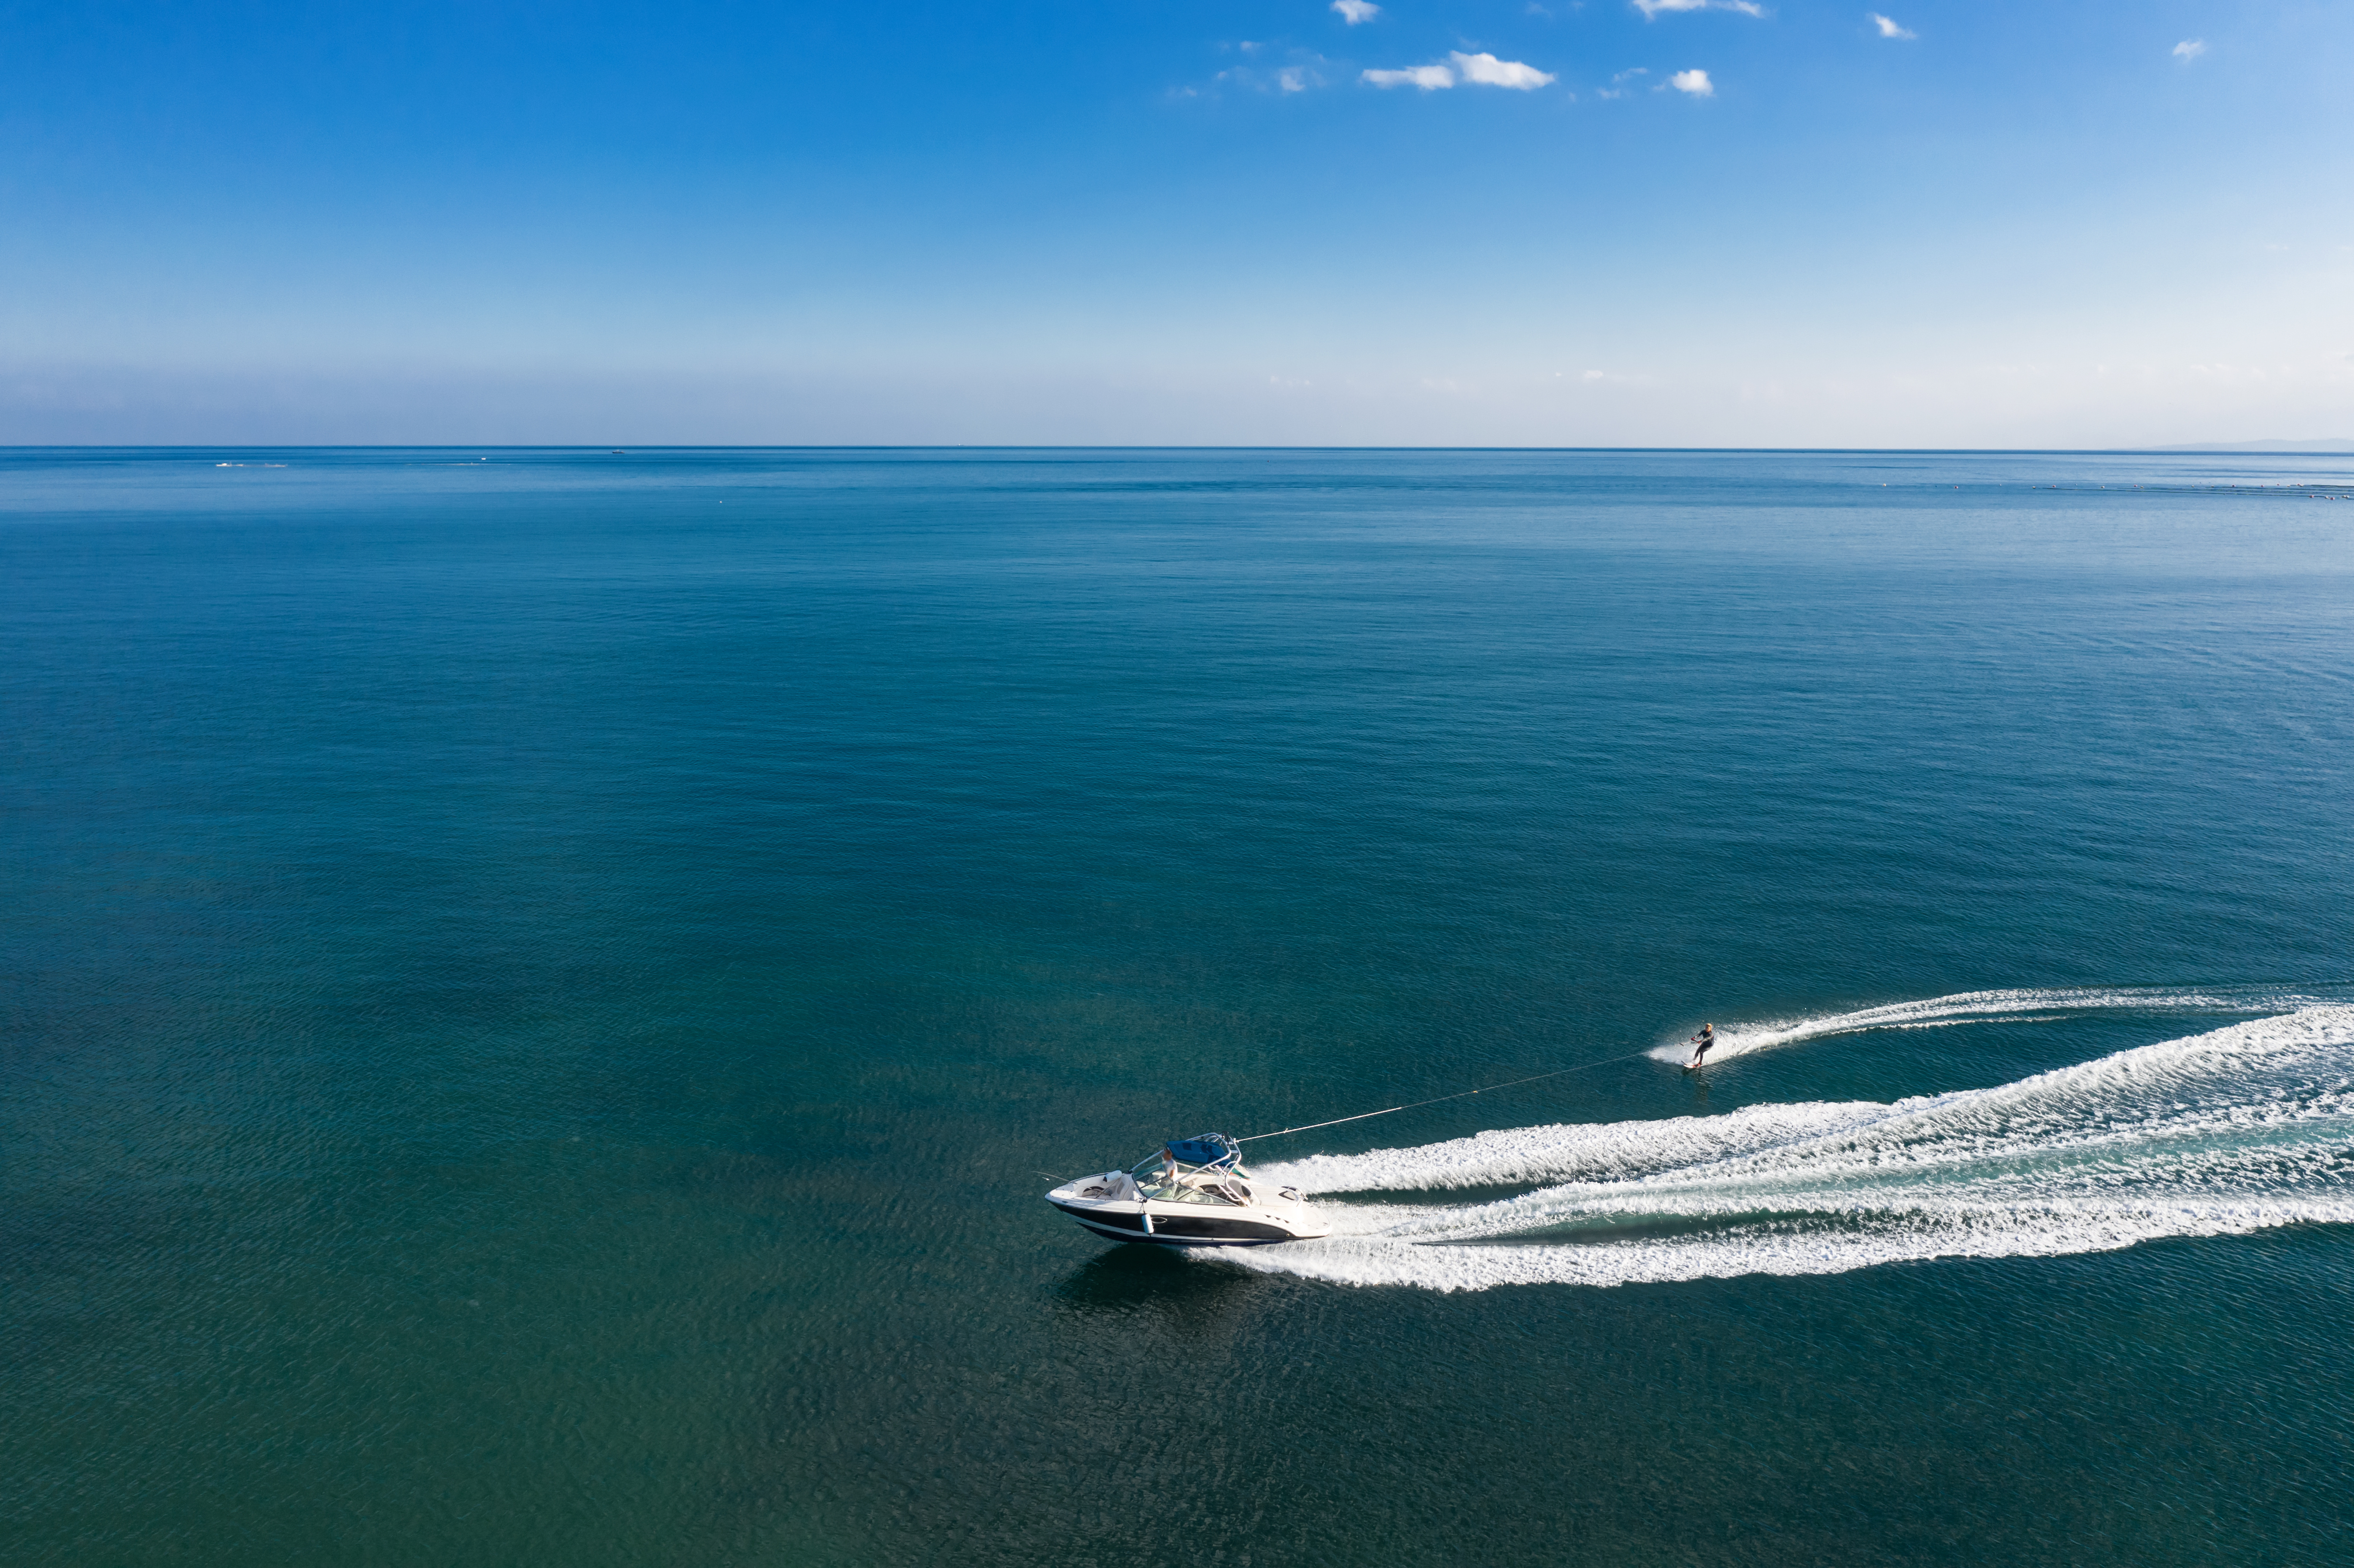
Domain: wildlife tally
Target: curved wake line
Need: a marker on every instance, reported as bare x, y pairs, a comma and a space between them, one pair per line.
1975, 1007
2238, 1129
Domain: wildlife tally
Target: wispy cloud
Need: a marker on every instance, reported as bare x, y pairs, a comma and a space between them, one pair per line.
1298, 75
1355, 11
2190, 49
1617, 88
1478, 71
1888, 26
1486, 70
1427, 78
1651, 9
1694, 81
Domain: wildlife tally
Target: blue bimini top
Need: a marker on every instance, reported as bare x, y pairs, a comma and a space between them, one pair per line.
1205, 1148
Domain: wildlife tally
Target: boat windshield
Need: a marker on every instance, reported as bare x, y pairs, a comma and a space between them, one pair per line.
1169, 1181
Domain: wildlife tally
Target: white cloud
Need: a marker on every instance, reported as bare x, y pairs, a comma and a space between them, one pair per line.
1480, 70
1488, 71
1294, 79
1355, 11
1888, 26
1424, 77
1695, 82
2190, 49
1651, 9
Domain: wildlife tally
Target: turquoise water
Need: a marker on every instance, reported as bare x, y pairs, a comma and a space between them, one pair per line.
544, 988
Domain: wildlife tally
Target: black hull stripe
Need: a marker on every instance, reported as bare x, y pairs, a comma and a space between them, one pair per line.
1187, 1227
1171, 1241
1178, 1230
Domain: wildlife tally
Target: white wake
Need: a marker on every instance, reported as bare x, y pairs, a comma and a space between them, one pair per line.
2235, 1131
2022, 1006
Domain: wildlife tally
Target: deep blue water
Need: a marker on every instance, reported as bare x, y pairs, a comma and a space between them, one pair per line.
542, 989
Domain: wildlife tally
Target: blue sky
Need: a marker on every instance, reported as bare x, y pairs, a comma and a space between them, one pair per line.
1949, 223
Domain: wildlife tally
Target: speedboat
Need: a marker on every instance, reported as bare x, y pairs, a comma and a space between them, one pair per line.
1193, 1193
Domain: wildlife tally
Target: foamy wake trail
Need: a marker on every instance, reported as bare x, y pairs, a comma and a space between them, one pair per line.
2235, 1131
1972, 1007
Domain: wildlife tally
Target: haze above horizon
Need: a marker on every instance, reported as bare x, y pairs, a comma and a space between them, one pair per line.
1691, 223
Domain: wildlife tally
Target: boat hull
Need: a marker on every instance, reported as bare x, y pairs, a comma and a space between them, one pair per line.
1155, 1223
1175, 1229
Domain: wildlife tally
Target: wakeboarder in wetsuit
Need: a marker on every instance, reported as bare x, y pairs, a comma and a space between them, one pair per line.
1701, 1043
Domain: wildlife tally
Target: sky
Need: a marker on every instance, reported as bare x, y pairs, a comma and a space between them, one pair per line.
1954, 222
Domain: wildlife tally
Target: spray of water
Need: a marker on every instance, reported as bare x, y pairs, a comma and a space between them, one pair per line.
2230, 1131
2023, 1006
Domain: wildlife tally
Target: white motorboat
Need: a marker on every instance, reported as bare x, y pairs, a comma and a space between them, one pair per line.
1194, 1193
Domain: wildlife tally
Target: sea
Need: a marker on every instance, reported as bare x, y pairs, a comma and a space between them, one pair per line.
541, 992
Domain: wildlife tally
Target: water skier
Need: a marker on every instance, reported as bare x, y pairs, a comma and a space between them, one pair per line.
1701, 1043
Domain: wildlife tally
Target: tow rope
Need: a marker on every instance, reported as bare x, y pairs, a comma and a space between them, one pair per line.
1459, 1095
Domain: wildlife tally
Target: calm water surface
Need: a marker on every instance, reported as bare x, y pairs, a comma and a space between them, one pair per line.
542, 989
